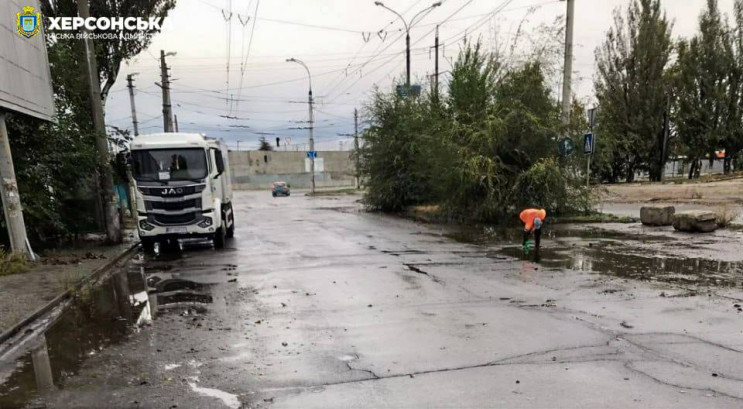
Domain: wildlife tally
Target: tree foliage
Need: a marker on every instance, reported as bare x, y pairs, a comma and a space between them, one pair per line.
709, 78
633, 88
483, 151
694, 85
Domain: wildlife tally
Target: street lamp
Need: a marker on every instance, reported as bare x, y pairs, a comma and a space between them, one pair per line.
408, 26
311, 127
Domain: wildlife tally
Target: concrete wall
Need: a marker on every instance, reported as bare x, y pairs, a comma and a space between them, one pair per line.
258, 169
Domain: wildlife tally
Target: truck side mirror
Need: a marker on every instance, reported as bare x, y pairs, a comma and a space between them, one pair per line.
219, 161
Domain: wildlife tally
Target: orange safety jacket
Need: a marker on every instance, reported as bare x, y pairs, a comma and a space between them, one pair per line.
528, 215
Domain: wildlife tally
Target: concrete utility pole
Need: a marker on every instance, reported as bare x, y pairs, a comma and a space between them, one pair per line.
105, 178
312, 138
311, 127
436, 69
11, 200
130, 80
568, 69
408, 26
356, 146
167, 108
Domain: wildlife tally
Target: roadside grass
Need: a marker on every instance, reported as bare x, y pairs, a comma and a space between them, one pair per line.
432, 213
593, 218
336, 192
725, 215
716, 177
13, 263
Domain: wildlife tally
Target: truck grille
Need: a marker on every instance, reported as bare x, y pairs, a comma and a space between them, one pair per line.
174, 220
171, 191
185, 204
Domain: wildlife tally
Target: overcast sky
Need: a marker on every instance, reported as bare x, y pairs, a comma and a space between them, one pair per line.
339, 42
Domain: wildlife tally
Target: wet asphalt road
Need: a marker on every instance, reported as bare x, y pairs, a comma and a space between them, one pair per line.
317, 305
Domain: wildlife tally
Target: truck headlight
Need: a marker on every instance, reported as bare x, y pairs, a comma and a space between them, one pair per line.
207, 222
144, 225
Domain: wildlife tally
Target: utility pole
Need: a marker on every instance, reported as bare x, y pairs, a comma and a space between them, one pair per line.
11, 200
407, 58
436, 69
312, 153
105, 178
356, 146
167, 108
408, 26
568, 69
312, 143
176, 122
130, 80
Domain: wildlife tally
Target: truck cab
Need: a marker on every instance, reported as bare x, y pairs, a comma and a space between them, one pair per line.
183, 188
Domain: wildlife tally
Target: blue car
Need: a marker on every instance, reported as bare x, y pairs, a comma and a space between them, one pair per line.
280, 188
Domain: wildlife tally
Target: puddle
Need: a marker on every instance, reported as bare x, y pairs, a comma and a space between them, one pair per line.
97, 318
511, 235
230, 400
598, 259
609, 252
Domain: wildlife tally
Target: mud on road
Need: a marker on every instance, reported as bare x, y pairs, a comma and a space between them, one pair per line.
319, 304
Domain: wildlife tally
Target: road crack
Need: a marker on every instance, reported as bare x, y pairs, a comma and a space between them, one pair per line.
416, 269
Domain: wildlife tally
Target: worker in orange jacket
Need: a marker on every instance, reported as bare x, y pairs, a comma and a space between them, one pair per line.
533, 220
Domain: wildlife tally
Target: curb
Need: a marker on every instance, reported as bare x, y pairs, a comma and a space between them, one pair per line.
97, 273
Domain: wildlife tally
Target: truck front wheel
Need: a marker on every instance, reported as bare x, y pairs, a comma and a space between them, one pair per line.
219, 237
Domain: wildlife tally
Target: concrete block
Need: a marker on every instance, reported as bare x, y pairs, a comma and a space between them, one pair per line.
657, 215
700, 221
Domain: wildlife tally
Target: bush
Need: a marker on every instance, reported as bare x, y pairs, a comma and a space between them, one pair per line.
725, 215
397, 153
482, 151
549, 186
13, 263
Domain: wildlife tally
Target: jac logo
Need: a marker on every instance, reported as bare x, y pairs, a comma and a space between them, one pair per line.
172, 191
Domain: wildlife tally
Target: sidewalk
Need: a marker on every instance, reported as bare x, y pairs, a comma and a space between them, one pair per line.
55, 272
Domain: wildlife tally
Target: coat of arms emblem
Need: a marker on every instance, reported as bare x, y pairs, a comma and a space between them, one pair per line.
28, 22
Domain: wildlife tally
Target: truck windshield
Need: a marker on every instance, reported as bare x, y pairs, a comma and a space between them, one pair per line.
169, 164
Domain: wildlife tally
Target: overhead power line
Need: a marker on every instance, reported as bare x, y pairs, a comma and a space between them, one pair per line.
244, 61
296, 23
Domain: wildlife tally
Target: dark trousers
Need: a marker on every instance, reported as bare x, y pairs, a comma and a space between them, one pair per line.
537, 237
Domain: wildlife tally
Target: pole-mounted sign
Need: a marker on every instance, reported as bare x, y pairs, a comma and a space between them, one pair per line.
566, 146
589, 143
592, 118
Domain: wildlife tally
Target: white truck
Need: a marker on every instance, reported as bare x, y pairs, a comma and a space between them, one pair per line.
183, 188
